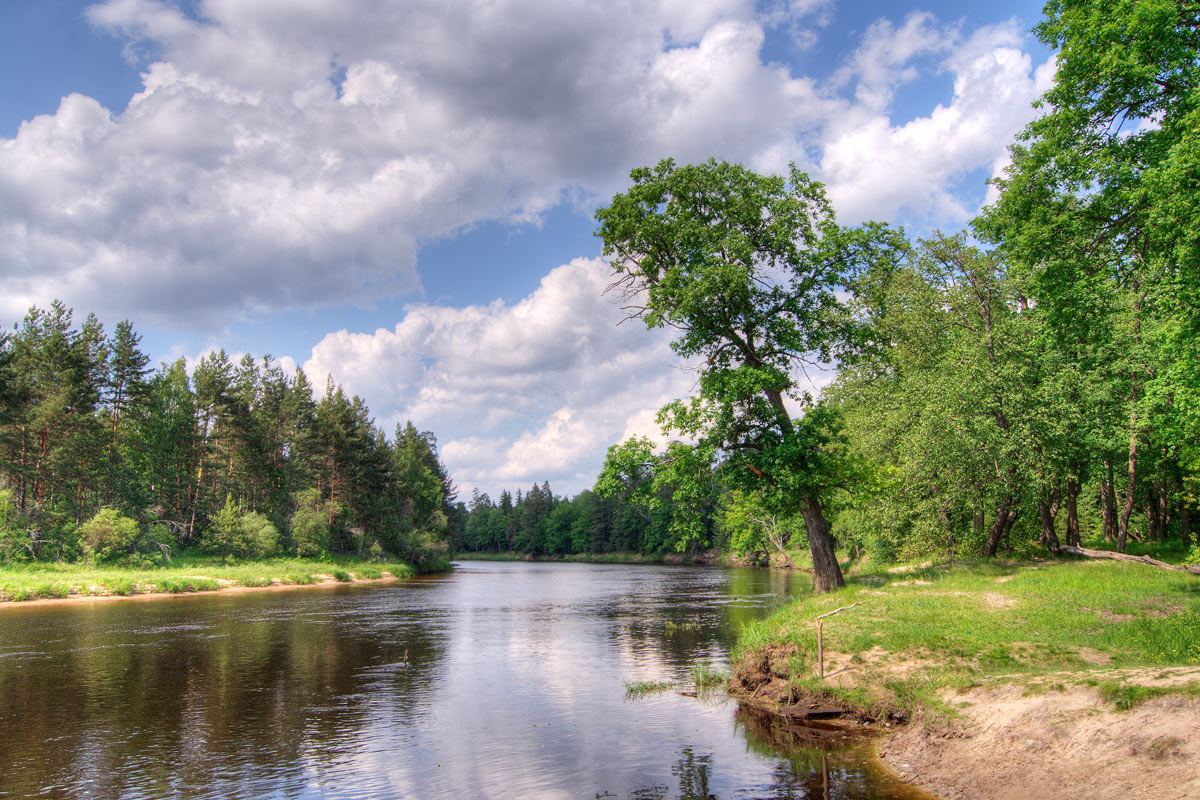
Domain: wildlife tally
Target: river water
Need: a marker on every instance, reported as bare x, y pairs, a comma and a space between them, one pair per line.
499, 680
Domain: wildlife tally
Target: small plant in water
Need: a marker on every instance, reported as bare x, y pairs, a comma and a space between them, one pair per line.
675, 627
638, 689
706, 676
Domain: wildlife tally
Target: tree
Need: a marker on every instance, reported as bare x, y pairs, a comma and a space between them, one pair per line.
733, 261
1098, 215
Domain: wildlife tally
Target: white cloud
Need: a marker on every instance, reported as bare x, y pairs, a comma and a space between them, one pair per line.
288, 155
298, 154
878, 170
517, 393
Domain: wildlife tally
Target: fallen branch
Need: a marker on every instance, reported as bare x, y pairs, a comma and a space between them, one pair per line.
1086, 553
821, 638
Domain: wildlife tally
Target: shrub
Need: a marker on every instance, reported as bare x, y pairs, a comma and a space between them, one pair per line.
258, 534
310, 524
232, 533
14, 539
108, 534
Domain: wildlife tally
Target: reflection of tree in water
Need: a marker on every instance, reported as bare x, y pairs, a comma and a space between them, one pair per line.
166, 696
820, 764
693, 772
707, 610
803, 771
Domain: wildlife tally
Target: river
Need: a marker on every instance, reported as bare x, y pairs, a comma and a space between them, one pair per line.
499, 680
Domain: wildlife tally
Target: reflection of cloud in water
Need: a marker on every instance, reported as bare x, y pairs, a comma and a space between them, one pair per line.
513, 686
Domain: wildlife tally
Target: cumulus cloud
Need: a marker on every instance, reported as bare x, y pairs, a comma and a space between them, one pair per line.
289, 155
879, 170
299, 154
530, 391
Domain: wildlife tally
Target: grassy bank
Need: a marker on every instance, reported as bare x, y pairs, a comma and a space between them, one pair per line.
186, 573
924, 629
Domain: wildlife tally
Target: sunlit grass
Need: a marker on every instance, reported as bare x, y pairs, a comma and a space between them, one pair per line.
187, 573
965, 621
637, 689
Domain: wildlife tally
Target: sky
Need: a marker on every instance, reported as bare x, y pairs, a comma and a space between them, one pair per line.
400, 193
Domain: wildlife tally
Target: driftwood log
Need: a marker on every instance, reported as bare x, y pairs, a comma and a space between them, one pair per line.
1086, 553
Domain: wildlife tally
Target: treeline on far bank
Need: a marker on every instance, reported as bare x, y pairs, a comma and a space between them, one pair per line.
104, 459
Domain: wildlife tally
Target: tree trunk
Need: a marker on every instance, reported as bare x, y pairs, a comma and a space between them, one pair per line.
1049, 537
1185, 523
827, 575
1108, 497
1185, 531
977, 523
1164, 509
944, 518
1073, 512
1130, 491
1004, 522
1152, 521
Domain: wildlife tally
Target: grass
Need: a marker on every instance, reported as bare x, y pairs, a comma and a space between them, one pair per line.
187, 573
637, 689
968, 620
706, 676
1124, 695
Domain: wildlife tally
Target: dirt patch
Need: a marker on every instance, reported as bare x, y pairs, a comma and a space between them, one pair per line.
1058, 745
1108, 616
995, 600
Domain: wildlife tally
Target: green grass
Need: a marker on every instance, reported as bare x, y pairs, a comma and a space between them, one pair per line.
706, 676
968, 620
638, 689
1125, 696
186, 573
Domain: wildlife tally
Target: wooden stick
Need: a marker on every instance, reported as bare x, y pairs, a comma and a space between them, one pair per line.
821, 638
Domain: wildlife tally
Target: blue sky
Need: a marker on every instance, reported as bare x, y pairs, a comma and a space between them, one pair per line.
400, 193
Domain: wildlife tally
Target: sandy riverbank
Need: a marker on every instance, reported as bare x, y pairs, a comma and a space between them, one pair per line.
1014, 741
1053, 736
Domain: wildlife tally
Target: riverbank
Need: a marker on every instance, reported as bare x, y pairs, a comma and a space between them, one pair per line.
1046, 679
48, 583
702, 558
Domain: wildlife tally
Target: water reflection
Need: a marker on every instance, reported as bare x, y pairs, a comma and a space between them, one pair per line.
498, 681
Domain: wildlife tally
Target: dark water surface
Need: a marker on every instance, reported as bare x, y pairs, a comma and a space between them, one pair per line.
514, 687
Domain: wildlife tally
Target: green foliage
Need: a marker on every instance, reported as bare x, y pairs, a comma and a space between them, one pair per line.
108, 534
310, 524
746, 268
85, 425
259, 535
14, 538
224, 535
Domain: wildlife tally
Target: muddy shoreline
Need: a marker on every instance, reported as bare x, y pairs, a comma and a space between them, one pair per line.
1052, 737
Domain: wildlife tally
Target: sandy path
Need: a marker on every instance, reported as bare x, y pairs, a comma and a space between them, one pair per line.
1062, 744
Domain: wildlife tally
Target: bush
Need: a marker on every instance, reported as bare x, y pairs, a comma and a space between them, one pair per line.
310, 524
14, 539
232, 533
108, 534
259, 536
